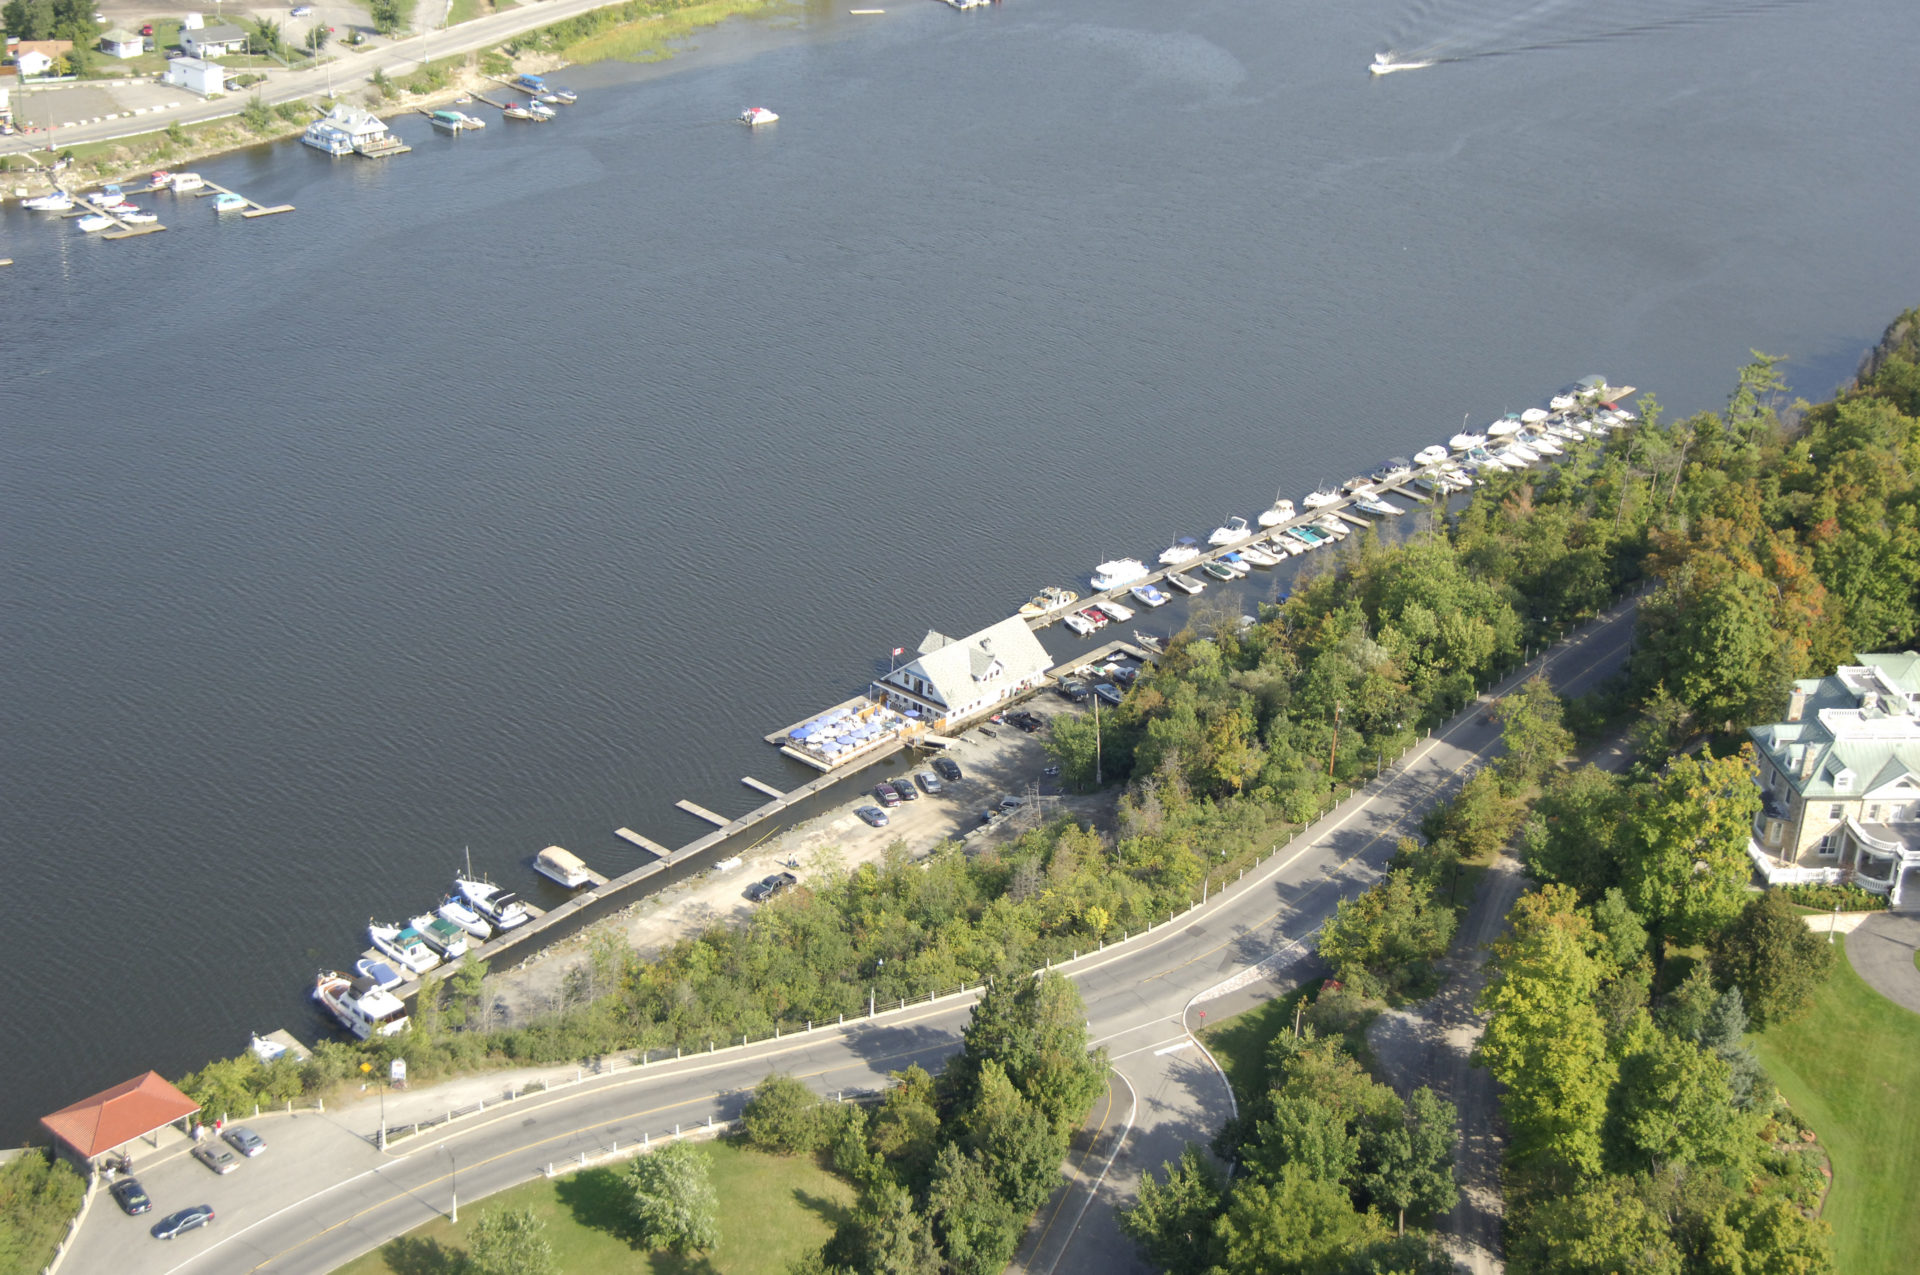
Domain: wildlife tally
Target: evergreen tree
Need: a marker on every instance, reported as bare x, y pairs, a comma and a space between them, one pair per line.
1773, 958
1173, 1221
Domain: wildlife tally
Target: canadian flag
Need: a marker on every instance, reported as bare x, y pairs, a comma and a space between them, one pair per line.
899, 650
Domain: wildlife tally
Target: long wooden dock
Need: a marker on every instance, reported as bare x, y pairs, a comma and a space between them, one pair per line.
701, 812
757, 786
651, 847
254, 208
127, 229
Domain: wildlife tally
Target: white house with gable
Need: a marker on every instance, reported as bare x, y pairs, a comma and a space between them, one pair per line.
953, 679
1840, 778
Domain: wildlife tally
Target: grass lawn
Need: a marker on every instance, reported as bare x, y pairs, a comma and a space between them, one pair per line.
772, 1210
1240, 1043
1851, 1067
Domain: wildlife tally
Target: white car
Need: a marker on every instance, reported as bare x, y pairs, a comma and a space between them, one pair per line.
303, 11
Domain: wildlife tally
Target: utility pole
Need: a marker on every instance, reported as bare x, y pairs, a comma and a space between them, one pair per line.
1097, 778
1335, 750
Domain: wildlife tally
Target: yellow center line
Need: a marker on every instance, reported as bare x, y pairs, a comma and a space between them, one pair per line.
1086, 1152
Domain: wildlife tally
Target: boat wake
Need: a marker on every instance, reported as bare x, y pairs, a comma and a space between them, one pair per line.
1436, 31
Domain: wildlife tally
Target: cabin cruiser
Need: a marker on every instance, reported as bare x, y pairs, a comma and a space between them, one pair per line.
59, 201
1397, 470
1185, 549
1431, 455
1387, 63
362, 1008
500, 907
1234, 528
1533, 416
1462, 442
1116, 612
183, 182
1321, 498
227, 201
1562, 402
1051, 598
1078, 623
1281, 511
454, 908
94, 221
1118, 573
1219, 571
1375, 505
1504, 429
404, 945
442, 935
1258, 557
757, 115
1183, 582
134, 217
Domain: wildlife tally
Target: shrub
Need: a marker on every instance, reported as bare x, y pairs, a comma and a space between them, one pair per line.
786, 1117
1848, 898
38, 1197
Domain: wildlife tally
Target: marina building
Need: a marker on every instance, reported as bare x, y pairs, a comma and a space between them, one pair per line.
952, 679
1840, 779
104, 1125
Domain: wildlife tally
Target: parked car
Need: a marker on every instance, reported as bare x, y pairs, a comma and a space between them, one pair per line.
1109, 693
216, 1157
185, 1220
147, 29
931, 786
884, 794
245, 1141
906, 789
947, 768
873, 816
303, 11
762, 890
1012, 803
1074, 689
1125, 675
131, 1196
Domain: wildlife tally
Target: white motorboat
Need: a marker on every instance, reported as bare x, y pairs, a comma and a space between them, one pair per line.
1465, 442
1282, 510
756, 115
138, 218
1375, 505
1096, 616
1234, 528
1626, 417
1233, 564
1333, 527
403, 945
1255, 556
1533, 416
1185, 583
539, 110
454, 908
563, 866
362, 1008
1431, 455
442, 935
1116, 612
1503, 429
1562, 402
58, 202
500, 907
1542, 443
1519, 451
1185, 549
1147, 595
1117, 573
1051, 598
1387, 63
94, 221
183, 182
1078, 623
1322, 498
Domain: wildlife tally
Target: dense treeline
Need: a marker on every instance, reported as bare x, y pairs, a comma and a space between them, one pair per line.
1331, 1164
38, 1197
949, 1168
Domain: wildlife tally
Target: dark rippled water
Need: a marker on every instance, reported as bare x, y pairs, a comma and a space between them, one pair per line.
511, 490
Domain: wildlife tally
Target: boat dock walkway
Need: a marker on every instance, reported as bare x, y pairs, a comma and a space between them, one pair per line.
253, 209
701, 812
125, 229
651, 847
757, 786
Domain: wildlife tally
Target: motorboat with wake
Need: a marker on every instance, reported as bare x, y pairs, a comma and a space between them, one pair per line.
362, 1008
1389, 62
501, 908
757, 115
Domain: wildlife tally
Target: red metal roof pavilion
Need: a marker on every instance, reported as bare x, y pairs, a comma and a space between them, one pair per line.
114, 1117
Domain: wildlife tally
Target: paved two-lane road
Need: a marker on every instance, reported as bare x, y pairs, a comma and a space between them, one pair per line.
322, 1193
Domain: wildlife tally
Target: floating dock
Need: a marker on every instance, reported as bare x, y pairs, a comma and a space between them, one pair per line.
757, 786
253, 209
701, 812
651, 847
126, 229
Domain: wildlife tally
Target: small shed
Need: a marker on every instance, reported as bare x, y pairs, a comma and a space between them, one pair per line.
100, 1126
197, 76
121, 43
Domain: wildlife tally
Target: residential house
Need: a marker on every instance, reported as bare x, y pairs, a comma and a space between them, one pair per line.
951, 680
197, 76
37, 57
119, 42
1840, 778
216, 41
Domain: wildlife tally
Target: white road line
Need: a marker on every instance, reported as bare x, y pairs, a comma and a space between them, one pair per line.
227, 1237
1176, 1047
1093, 1188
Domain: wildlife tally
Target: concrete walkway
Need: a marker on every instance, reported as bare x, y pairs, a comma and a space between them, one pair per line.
1881, 949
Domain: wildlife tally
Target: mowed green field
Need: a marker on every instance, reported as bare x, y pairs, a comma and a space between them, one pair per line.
1851, 1067
772, 1210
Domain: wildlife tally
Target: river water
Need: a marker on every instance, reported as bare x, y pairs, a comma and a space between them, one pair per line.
509, 491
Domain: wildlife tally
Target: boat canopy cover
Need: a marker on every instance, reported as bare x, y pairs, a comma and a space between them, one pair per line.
562, 860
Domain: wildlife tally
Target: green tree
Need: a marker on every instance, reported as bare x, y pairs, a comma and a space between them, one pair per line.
905, 1131
317, 38
1410, 1160
1385, 941
1299, 1225
257, 115
390, 15
674, 1207
1765, 1237
1532, 727
1302, 1131
1686, 866
1173, 1221
976, 1225
892, 1236
1598, 1226
267, 36
1079, 746
1773, 958
1036, 1029
39, 1195
1674, 1108
1573, 835
510, 1242
1014, 1139
1544, 1039
786, 1117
